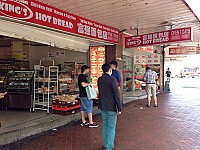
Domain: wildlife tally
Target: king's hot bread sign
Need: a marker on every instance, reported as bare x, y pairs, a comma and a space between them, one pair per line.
44, 15
169, 36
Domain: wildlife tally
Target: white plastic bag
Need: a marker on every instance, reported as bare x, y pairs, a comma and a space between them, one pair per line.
91, 93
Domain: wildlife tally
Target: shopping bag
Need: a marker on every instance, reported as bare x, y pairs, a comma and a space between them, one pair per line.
91, 93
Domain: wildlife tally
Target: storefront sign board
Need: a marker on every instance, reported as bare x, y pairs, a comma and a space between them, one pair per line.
147, 59
170, 36
38, 13
183, 50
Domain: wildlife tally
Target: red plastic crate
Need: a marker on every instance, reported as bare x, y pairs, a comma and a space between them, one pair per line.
65, 108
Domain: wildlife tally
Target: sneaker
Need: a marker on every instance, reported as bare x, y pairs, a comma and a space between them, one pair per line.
156, 105
84, 124
147, 105
94, 125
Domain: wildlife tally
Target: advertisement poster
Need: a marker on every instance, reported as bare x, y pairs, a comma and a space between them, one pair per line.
97, 59
151, 58
31, 11
19, 55
176, 35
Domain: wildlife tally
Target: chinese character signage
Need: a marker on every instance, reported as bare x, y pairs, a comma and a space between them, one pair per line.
182, 50
176, 35
32, 11
97, 59
147, 59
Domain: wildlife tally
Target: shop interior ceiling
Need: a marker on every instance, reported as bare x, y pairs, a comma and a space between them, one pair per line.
145, 15
39, 35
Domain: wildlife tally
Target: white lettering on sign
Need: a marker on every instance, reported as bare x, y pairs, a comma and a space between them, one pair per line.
62, 23
105, 35
43, 17
87, 30
99, 33
38, 5
17, 8
93, 31
80, 28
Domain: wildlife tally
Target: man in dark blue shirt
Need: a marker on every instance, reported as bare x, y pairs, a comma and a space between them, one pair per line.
116, 73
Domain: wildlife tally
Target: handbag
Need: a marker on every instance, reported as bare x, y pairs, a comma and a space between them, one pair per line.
91, 93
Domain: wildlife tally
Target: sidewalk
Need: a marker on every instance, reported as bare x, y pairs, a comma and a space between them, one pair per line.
16, 125
174, 125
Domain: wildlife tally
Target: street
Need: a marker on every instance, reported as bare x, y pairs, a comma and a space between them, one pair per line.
174, 125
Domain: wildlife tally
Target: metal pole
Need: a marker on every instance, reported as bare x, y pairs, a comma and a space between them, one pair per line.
163, 68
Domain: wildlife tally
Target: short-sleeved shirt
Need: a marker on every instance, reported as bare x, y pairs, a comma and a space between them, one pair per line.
116, 74
82, 91
168, 73
150, 77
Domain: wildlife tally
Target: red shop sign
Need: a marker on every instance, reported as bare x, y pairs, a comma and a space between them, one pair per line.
32, 11
183, 50
176, 35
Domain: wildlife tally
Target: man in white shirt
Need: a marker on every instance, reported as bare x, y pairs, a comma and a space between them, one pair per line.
150, 78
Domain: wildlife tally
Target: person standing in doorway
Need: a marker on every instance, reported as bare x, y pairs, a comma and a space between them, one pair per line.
115, 73
168, 73
86, 104
150, 77
110, 105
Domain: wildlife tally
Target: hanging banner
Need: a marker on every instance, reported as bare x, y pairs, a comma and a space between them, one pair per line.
183, 50
147, 59
170, 36
32, 11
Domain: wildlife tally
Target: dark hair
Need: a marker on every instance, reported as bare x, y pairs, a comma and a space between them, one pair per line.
105, 67
114, 63
84, 67
147, 68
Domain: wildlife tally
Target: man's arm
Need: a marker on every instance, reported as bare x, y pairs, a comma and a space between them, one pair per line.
84, 84
156, 75
145, 77
116, 93
83, 81
119, 79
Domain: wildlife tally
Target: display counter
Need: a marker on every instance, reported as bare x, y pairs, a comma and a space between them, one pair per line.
19, 85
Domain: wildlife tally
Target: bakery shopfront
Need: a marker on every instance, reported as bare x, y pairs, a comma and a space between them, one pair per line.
37, 38
148, 50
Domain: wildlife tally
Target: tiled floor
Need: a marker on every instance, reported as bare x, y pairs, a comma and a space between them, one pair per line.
174, 125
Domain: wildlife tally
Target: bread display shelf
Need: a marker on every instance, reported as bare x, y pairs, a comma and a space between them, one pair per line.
45, 86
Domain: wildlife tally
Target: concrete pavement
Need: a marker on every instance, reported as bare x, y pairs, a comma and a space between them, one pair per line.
174, 125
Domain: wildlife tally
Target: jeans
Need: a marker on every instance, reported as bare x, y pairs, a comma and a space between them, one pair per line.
109, 119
